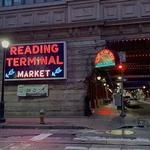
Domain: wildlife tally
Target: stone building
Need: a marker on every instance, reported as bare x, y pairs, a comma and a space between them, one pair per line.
86, 26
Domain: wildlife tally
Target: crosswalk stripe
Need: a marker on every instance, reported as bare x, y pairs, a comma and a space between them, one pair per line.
97, 138
104, 149
40, 137
75, 148
7, 147
21, 146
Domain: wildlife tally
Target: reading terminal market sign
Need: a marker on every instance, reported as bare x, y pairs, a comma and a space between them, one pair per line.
38, 61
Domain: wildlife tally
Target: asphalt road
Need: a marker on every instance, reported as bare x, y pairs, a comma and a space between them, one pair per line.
142, 111
35, 139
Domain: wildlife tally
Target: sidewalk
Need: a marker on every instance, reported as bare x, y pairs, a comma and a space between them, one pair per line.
95, 122
95, 129
105, 118
105, 125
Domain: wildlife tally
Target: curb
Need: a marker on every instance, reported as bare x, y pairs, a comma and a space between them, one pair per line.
114, 140
40, 127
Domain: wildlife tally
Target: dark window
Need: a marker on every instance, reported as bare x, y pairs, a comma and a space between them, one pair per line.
41, 1
12, 2
7, 2
17, 2
36, 1
52, 0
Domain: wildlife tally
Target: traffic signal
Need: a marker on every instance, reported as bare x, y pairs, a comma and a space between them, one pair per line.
120, 67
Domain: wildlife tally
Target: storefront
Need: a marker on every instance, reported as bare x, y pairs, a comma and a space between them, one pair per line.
137, 65
53, 48
47, 75
132, 56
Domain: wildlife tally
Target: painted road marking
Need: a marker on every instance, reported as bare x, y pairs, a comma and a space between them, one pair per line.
6, 147
75, 148
120, 132
97, 138
90, 131
41, 137
97, 148
90, 138
19, 147
104, 148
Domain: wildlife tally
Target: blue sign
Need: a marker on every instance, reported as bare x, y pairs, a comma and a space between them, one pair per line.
38, 61
122, 56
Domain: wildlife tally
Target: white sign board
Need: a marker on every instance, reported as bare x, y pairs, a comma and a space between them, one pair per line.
32, 90
122, 56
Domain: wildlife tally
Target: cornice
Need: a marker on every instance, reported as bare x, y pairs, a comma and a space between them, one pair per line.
53, 27
127, 21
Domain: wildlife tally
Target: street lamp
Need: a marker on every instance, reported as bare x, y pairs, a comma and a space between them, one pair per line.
98, 78
4, 45
121, 69
122, 101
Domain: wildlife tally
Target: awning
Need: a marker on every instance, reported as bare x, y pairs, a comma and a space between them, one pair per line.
137, 60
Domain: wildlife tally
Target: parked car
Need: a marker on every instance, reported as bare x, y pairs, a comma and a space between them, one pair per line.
132, 103
126, 100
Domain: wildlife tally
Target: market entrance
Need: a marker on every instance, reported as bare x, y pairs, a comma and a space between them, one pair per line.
104, 80
100, 86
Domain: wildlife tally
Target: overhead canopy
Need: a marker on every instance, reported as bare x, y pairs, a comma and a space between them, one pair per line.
137, 70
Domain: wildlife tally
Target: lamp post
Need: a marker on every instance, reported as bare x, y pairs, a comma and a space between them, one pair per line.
123, 114
121, 68
4, 45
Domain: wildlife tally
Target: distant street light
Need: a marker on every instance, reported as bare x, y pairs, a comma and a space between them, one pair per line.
104, 84
119, 78
144, 87
118, 84
4, 45
99, 78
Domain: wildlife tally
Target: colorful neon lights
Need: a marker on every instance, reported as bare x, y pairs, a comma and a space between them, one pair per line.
34, 49
36, 61
27, 61
104, 58
33, 74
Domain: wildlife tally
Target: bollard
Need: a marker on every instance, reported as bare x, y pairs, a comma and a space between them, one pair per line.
42, 115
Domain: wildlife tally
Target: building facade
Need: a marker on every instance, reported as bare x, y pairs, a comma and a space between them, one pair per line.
86, 26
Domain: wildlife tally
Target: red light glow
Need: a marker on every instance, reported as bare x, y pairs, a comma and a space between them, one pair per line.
120, 67
106, 111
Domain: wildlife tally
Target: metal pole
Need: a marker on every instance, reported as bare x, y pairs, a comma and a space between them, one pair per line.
106, 93
2, 102
122, 101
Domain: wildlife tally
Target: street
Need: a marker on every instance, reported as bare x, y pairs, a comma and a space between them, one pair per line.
71, 139
142, 111
105, 130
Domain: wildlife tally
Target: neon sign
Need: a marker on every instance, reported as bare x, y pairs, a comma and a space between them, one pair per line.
36, 61
104, 58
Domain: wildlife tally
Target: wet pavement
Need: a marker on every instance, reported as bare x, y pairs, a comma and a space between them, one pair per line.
85, 139
107, 117
104, 130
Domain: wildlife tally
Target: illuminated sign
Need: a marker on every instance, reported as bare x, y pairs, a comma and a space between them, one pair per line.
36, 61
104, 58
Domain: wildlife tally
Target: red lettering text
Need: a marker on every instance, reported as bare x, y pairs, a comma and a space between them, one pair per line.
13, 50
